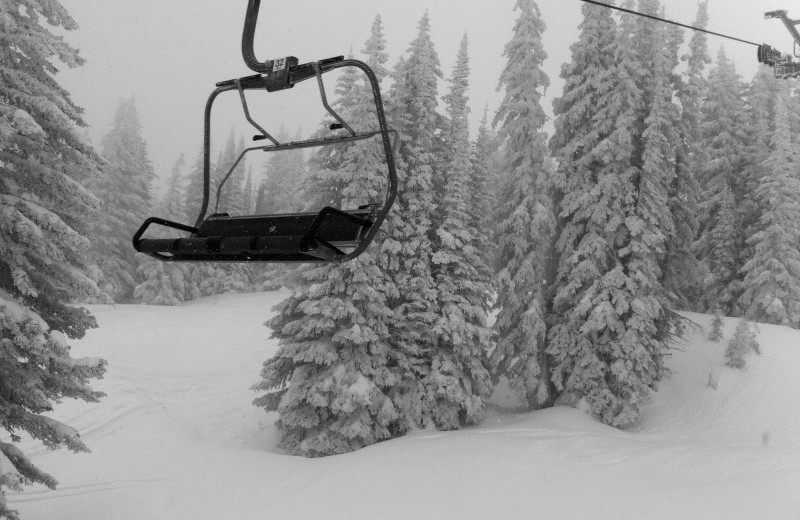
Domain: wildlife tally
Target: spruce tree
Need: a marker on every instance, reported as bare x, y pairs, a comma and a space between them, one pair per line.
650, 223
44, 215
722, 181
716, 327
284, 172
458, 384
165, 283
482, 188
771, 287
248, 196
322, 186
335, 377
124, 190
607, 340
527, 223
194, 190
743, 341
172, 206
407, 249
681, 279
224, 198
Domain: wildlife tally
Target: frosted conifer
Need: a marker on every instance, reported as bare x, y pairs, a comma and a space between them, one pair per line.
459, 382
194, 190
716, 326
335, 378
284, 173
44, 215
722, 181
320, 187
607, 339
681, 280
742, 342
527, 218
165, 283
482, 187
771, 287
124, 190
406, 251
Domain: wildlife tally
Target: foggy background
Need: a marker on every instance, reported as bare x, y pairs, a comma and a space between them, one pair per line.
169, 53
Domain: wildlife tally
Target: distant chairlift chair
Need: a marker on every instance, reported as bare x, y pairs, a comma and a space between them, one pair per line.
330, 235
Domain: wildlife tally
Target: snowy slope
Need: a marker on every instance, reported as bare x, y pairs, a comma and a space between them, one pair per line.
177, 438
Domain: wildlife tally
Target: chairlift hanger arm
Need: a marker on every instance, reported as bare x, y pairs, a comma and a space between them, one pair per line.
294, 72
783, 64
789, 23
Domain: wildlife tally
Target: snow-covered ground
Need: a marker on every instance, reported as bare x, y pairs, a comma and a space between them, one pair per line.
177, 438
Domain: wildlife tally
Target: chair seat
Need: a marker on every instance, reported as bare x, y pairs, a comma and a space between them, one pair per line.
293, 237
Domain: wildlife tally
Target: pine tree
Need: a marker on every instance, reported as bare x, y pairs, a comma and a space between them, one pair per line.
459, 382
44, 212
681, 280
248, 197
482, 186
322, 185
166, 283
606, 340
772, 275
334, 379
237, 181
742, 342
194, 190
284, 173
172, 206
527, 225
407, 250
721, 236
124, 190
224, 197
650, 223
716, 327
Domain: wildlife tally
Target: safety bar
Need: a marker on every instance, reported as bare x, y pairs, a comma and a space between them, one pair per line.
252, 82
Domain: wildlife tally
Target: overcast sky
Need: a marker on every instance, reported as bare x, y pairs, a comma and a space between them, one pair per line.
169, 53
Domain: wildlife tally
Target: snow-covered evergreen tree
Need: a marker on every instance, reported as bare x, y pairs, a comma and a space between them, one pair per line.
459, 382
527, 223
743, 341
284, 172
721, 235
483, 199
407, 249
322, 185
716, 327
124, 190
165, 283
335, 379
44, 215
248, 195
172, 205
225, 199
650, 222
194, 190
607, 339
681, 279
771, 287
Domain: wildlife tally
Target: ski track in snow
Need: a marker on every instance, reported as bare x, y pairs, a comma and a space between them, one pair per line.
178, 438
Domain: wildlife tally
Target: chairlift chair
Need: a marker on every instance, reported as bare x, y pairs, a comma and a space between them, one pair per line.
329, 235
